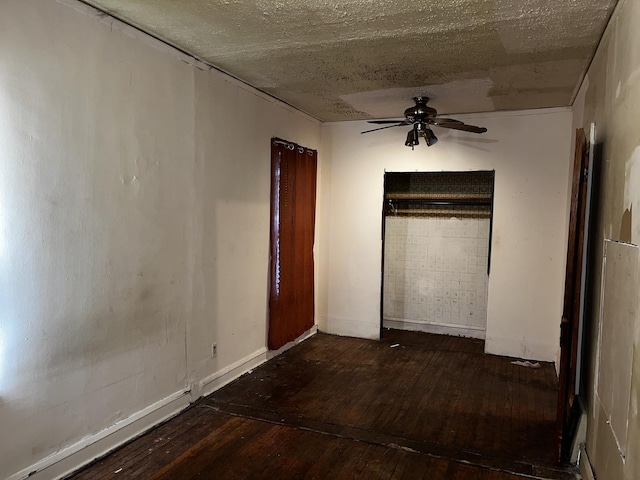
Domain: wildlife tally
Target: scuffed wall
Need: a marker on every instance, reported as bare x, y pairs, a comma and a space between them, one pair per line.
530, 152
134, 225
610, 97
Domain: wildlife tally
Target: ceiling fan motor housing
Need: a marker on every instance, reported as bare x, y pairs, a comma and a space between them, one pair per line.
420, 110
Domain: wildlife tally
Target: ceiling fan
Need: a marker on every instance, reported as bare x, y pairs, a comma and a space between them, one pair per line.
422, 117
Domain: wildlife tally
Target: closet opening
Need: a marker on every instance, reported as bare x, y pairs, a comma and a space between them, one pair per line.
436, 256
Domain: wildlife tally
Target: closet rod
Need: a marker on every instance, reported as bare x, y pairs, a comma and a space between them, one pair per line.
442, 202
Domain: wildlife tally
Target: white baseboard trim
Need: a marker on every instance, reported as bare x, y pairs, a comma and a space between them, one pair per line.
213, 382
308, 334
89, 448
70, 459
228, 374
438, 328
586, 470
527, 349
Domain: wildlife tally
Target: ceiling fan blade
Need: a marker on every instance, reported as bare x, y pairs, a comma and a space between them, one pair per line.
438, 121
382, 128
382, 122
457, 125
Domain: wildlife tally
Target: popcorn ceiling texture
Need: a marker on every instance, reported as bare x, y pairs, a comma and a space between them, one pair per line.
469, 55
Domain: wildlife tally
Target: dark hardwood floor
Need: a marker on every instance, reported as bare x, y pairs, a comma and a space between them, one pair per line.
412, 406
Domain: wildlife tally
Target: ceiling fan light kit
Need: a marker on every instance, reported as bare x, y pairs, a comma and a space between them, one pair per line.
420, 130
421, 117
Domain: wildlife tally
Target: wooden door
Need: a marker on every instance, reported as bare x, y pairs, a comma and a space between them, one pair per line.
569, 327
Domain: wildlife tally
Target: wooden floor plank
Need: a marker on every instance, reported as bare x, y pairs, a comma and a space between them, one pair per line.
431, 407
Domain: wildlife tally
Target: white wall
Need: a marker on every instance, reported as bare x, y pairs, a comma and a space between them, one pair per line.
134, 228
530, 152
610, 97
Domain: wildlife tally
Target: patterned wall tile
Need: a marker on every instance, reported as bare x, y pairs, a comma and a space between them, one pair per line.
436, 270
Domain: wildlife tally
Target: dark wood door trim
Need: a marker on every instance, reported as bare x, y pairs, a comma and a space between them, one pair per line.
569, 327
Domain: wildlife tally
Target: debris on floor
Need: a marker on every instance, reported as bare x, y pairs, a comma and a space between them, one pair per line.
527, 363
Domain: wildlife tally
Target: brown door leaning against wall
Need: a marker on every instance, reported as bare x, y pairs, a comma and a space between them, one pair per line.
569, 327
293, 206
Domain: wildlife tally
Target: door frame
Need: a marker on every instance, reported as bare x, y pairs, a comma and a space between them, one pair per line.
573, 306
383, 226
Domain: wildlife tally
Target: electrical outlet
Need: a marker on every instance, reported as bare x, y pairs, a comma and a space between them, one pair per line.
214, 350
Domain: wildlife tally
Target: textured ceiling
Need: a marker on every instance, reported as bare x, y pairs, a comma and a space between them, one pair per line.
357, 59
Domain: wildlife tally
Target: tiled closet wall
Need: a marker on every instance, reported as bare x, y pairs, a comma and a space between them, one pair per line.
435, 274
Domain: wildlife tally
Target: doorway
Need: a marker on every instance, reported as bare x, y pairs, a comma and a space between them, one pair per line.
437, 251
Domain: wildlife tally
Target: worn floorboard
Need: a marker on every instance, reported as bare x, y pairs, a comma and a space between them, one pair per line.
411, 406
